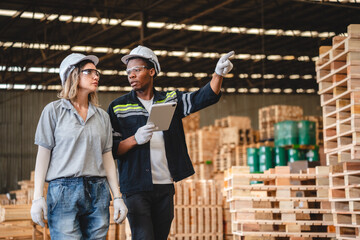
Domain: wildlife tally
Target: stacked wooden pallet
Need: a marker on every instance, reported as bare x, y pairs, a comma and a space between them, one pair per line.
284, 205
201, 145
240, 122
213, 149
191, 123
338, 75
270, 115
198, 211
235, 133
345, 199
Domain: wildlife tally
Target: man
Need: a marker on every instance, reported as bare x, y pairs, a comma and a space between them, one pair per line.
149, 160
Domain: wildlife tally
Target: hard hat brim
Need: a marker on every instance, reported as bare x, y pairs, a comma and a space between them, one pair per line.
125, 58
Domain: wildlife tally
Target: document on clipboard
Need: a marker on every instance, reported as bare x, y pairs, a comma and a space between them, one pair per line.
161, 115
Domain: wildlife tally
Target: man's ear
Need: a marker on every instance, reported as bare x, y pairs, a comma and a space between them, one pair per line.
152, 72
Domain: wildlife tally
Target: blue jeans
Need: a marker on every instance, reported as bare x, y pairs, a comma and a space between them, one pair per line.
78, 208
151, 213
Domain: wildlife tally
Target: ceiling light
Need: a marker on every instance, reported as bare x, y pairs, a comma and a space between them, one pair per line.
289, 57
230, 90
242, 90
308, 76
172, 74
256, 75
186, 74
288, 90
7, 13
310, 90
276, 90
294, 76
269, 76
131, 23
200, 75
274, 57
243, 75
155, 24
254, 90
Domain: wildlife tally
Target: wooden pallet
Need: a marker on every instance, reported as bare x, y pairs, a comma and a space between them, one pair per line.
234, 121
191, 123
198, 211
202, 143
283, 205
237, 136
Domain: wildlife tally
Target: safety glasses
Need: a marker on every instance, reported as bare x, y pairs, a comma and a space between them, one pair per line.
135, 69
91, 72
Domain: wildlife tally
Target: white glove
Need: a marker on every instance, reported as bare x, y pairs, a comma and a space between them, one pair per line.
38, 208
119, 206
144, 134
224, 65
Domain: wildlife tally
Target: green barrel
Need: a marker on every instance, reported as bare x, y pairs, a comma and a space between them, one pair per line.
253, 159
265, 158
280, 156
307, 132
295, 155
312, 155
286, 133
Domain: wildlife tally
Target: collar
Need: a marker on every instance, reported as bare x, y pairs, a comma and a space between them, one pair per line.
157, 96
65, 103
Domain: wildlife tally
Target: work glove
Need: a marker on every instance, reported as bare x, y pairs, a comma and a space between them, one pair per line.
38, 208
119, 206
224, 65
144, 134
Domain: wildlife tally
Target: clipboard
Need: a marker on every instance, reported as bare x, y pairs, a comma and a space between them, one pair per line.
161, 115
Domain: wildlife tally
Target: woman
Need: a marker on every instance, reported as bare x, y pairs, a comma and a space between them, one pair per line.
74, 138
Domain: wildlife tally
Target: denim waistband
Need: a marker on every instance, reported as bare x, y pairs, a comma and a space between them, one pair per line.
77, 179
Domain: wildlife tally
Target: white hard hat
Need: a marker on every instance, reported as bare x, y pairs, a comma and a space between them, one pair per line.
143, 52
68, 64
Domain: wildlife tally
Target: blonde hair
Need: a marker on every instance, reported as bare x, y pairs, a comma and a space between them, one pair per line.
71, 88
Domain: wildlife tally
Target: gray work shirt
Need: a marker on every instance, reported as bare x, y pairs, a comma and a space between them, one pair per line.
76, 145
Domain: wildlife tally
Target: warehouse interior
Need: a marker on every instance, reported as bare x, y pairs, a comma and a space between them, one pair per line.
284, 51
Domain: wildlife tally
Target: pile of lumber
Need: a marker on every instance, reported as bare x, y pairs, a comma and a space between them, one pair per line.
270, 115
198, 211
279, 203
338, 75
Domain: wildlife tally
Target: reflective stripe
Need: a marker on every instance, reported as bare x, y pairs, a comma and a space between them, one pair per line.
169, 96
126, 107
187, 103
127, 114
